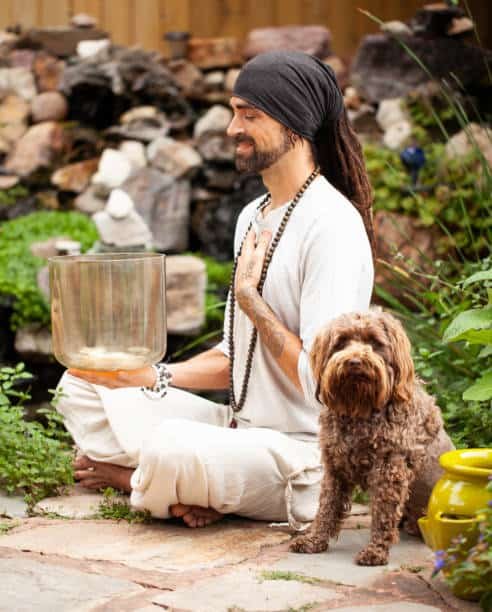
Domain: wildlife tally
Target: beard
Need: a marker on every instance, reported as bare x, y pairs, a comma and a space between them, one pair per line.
254, 161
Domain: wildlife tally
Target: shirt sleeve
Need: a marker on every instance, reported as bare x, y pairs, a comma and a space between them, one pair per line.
337, 275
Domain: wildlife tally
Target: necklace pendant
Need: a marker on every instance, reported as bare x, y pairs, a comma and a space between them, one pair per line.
233, 423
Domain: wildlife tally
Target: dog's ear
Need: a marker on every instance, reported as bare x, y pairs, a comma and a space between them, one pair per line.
318, 353
402, 363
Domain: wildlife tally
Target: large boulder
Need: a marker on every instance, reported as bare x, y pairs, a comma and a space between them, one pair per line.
49, 106
473, 137
38, 148
75, 177
186, 281
383, 69
314, 39
19, 81
209, 53
173, 157
402, 246
164, 204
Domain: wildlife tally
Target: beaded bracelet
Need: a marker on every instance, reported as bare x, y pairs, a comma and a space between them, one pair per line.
162, 382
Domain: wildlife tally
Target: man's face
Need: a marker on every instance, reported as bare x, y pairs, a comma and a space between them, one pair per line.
260, 140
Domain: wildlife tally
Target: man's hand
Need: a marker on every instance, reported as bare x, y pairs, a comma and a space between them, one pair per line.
143, 377
250, 264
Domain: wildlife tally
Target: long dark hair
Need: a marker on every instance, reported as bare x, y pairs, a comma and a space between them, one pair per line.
339, 154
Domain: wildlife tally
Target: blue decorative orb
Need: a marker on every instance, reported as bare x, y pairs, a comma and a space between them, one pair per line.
413, 158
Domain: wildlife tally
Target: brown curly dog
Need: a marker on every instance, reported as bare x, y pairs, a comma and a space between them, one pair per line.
379, 430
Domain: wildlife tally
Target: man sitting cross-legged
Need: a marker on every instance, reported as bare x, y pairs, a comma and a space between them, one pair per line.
303, 256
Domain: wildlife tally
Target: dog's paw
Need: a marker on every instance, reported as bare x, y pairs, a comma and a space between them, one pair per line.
372, 555
308, 544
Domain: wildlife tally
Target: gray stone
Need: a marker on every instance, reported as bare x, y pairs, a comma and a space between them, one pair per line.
214, 80
134, 151
63, 41
216, 119
91, 48
465, 141
78, 503
397, 28
34, 343
29, 584
383, 68
216, 147
176, 158
19, 81
186, 281
391, 111
338, 565
245, 589
43, 282
140, 112
49, 106
37, 148
315, 40
120, 225
113, 170
164, 204
401, 606
7, 182
12, 506
398, 135
13, 109
83, 20
188, 77
89, 202
46, 248
157, 546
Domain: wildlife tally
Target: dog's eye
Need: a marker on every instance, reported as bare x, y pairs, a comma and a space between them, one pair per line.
339, 344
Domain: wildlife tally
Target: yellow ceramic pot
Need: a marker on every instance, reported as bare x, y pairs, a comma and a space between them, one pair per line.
457, 498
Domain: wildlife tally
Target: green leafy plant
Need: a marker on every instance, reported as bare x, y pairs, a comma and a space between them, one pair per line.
115, 507
468, 570
475, 327
33, 459
449, 368
19, 268
8, 197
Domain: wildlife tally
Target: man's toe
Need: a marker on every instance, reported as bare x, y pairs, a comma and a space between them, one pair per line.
82, 463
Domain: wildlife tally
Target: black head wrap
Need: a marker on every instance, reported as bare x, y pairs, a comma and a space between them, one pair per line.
295, 88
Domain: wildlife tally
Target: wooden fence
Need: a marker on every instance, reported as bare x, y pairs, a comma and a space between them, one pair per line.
143, 22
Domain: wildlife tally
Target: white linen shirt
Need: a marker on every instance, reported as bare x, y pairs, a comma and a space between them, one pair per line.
322, 267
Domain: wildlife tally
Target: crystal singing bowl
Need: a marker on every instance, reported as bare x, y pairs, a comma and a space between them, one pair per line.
458, 497
108, 310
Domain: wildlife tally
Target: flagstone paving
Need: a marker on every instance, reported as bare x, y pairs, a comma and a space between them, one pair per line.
49, 563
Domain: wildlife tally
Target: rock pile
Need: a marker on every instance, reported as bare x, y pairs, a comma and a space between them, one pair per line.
135, 139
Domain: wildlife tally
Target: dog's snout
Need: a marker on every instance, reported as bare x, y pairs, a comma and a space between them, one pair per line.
355, 362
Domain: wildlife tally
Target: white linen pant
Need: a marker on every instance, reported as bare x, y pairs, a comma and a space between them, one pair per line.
184, 452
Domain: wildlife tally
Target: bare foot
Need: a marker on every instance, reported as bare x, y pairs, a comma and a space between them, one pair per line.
98, 475
195, 516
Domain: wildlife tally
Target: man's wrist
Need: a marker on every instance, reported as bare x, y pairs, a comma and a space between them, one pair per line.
246, 298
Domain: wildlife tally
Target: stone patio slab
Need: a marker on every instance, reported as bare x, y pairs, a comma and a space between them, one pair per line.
245, 590
12, 506
338, 563
401, 606
162, 546
78, 503
28, 585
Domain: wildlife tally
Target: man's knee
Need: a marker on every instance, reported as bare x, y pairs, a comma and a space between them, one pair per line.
170, 443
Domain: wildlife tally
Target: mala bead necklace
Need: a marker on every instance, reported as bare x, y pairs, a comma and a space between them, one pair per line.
238, 405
